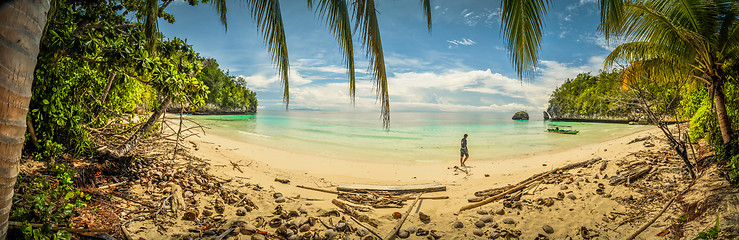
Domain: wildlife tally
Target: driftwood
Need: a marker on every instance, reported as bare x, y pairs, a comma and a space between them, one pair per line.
400, 224
630, 175
113, 185
354, 213
527, 182
318, 189
224, 234
374, 199
640, 139
430, 187
365, 227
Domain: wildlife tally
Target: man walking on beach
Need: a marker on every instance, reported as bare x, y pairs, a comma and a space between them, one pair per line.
464, 152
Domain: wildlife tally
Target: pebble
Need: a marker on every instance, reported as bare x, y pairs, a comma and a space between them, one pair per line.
293, 213
277, 195
404, 233
241, 211
187, 194
563, 187
457, 224
509, 221
258, 237
493, 225
560, 195
305, 227
331, 234
605, 176
302, 209
362, 232
480, 224
423, 217
500, 211
209, 233
548, 229
486, 219
595, 176
210, 184
280, 199
293, 237
481, 211
207, 213
248, 229
478, 232
412, 229
571, 196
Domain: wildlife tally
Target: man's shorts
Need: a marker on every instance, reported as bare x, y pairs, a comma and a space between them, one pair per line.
463, 153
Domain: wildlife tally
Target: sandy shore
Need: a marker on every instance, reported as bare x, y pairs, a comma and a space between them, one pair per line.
249, 171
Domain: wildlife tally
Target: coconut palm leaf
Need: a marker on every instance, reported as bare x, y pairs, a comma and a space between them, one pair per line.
611, 12
268, 16
522, 23
427, 12
336, 15
221, 8
366, 23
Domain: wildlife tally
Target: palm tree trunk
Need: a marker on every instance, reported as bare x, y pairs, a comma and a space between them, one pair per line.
21, 27
719, 100
133, 141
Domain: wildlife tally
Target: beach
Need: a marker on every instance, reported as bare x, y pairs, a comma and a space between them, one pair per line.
564, 204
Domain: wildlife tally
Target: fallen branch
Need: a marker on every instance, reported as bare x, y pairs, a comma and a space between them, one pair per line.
526, 183
405, 216
353, 213
318, 189
630, 175
365, 227
113, 185
645, 226
224, 234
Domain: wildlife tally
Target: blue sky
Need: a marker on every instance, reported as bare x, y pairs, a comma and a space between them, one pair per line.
461, 65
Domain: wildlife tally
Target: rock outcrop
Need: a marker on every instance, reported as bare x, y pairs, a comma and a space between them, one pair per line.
522, 115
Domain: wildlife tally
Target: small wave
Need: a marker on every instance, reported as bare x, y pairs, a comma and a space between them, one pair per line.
254, 134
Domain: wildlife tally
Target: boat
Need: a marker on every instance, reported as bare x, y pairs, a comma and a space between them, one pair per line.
561, 129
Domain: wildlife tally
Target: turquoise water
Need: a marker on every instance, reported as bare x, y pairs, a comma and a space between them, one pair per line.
422, 137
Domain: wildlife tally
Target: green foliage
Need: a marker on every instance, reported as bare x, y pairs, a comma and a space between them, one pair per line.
226, 91
94, 66
588, 95
48, 201
712, 232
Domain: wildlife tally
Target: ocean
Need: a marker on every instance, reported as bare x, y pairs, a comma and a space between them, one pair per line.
413, 136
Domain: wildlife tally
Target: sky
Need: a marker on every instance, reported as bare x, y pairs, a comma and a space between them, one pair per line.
460, 66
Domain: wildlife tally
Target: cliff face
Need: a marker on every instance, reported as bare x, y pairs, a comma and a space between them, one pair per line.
622, 115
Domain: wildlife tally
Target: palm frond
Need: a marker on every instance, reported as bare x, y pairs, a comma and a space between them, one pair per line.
221, 8
151, 25
366, 20
522, 23
268, 16
427, 12
611, 14
336, 15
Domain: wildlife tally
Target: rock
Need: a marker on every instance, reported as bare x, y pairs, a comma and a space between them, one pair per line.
277, 195
571, 196
436, 235
423, 217
595, 176
522, 115
605, 176
412, 229
457, 224
509, 221
209, 233
330, 234
362, 232
493, 225
187, 194
293, 237
545, 201
563, 187
548, 229
280, 199
478, 232
480, 224
219, 206
207, 213
241, 211
500, 212
404, 233
293, 213
191, 214
481, 211
486, 219
305, 227
302, 209
258, 237
422, 232
247, 229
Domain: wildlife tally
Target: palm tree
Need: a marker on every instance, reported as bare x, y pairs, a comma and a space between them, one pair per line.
21, 27
674, 38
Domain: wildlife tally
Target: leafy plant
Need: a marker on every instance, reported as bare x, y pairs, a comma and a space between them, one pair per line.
711, 233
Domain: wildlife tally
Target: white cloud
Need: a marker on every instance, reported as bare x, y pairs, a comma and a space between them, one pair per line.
463, 42
600, 40
263, 82
487, 16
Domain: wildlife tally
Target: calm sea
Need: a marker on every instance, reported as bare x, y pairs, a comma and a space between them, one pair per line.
421, 137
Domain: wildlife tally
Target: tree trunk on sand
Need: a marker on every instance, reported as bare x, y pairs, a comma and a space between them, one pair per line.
21, 27
719, 100
133, 141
